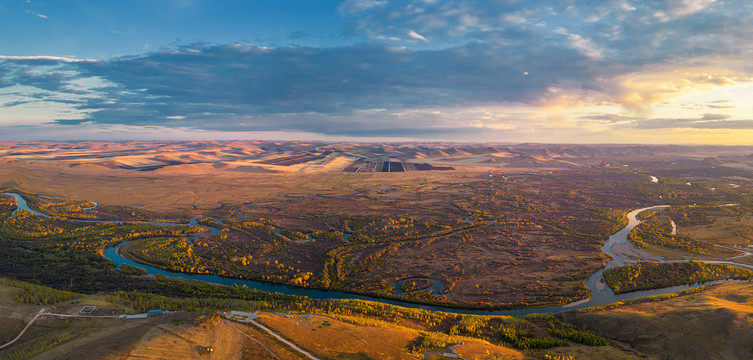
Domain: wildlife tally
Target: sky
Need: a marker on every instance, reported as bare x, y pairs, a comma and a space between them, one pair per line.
552, 71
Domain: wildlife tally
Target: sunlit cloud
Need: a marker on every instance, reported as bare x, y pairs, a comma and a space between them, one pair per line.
43, 57
639, 91
417, 36
473, 70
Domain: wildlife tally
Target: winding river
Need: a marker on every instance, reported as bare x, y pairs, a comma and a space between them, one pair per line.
600, 293
22, 205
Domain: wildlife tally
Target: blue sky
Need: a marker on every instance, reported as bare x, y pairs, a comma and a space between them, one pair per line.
671, 71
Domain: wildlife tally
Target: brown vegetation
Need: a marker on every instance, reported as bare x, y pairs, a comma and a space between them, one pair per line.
702, 325
493, 234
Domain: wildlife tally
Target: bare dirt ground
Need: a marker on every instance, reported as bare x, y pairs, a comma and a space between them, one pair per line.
342, 340
176, 336
629, 251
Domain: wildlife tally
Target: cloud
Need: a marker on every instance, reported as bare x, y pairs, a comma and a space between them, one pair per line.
610, 118
417, 36
512, 19
707, 121
585, 46
242, 87
624, 5
648, 85
52, 59
629, 31
36, 14
354, 90
357, 6
680, 8
546, 62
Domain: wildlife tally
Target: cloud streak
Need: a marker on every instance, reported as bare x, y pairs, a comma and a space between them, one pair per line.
36, 14
44, 58
417, 36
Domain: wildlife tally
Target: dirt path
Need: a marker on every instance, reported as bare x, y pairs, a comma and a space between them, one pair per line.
284, 340
235, 327
744, 253
43, 312
9, 343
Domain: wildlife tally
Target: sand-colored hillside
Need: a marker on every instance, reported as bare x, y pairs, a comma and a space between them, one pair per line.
197, 189
291, 157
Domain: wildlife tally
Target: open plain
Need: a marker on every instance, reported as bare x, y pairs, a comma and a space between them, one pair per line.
474, 227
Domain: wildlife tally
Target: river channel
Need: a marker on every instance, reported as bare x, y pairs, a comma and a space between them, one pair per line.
600, 293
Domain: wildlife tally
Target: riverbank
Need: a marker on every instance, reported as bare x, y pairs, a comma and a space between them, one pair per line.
599, 295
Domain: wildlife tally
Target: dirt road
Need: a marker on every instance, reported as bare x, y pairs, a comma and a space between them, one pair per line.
284, 340
43, 312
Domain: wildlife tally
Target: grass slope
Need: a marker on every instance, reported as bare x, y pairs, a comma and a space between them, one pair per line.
713, 324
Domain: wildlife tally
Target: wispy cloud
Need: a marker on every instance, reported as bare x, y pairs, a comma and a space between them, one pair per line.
357, 6
425, 67
679, 8
44, 58
36, 14
707, 121
417, 36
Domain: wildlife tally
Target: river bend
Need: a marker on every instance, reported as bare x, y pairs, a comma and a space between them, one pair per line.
600, 293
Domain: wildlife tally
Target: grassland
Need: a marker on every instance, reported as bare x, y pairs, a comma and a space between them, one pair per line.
443, 215
523, 229
647, 275
491, 235
340, 330
177, 336
417, 229
711, 324
704, 231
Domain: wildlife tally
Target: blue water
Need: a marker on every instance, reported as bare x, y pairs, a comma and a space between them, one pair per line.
91, 207
22, 205
598, 297
605, 297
